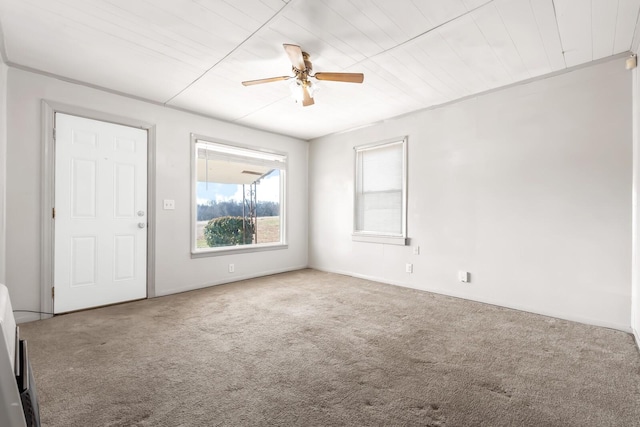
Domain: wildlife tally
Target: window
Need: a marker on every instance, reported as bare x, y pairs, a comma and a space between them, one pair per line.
238, 196
380, 193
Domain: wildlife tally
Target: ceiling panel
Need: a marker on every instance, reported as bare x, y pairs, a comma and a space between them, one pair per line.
107, 61
401, 23
107, 21
574, 21
439, 12
603, 26
306, 122
545, 16
248, 15
495, 33
635, 43
220, 96
439, 48
474, 4
194, 54
467, 41
328, 51
625, 24
422, 62
521, 24
378, 31
319, 30
398, 79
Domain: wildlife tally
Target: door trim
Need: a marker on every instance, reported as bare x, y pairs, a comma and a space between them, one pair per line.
48, 111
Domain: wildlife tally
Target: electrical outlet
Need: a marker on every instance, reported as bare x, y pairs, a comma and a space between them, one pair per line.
169, 205
408, 268
416, 250
464, 276
232, 268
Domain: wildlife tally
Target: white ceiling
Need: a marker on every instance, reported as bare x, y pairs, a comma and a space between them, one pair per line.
193, 54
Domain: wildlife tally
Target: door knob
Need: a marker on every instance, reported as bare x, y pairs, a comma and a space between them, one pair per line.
140, 213
141, 225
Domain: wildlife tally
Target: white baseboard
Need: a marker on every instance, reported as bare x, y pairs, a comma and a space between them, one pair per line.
226, 280
26, 317
506, 304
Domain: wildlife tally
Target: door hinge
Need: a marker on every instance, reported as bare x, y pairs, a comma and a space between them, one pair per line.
53, 213
53, 292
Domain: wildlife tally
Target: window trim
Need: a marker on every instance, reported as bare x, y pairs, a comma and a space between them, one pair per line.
240, 249
378, 237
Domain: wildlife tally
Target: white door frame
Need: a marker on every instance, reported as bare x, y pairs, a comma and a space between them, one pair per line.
49, 109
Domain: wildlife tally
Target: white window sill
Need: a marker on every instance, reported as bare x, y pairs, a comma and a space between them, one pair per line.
240, 249
375, 238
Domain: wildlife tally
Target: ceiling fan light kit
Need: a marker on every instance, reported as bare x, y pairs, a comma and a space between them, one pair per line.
302, 89
298, 87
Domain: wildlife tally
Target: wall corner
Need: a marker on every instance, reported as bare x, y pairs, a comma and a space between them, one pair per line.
635, 215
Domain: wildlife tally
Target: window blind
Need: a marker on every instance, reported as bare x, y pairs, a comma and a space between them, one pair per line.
379, 189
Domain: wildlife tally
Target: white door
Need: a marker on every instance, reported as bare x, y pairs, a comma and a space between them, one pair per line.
100, 220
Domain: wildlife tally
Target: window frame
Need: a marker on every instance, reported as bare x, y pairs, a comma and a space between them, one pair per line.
239, 249
374, 236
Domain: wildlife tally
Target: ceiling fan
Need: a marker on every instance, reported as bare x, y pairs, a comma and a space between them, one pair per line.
302, 70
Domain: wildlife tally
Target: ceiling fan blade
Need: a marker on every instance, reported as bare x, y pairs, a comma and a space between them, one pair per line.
295, 56
269, 80
341, 77
306, 99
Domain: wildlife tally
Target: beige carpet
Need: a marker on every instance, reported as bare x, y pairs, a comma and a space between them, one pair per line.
315, 349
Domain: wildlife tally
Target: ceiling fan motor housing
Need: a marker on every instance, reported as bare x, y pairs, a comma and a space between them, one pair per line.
303, 75
307, 62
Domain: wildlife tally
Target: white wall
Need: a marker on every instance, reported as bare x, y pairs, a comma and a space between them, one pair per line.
635, 285
528, 188
3, 164
175, 269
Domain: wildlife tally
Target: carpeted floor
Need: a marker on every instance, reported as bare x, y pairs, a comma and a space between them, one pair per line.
309, 348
